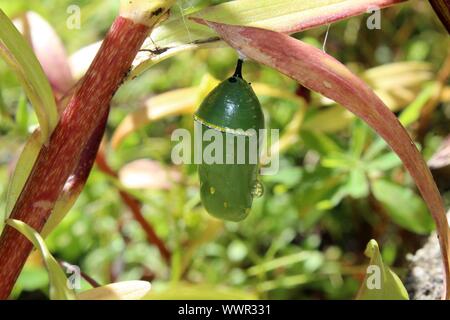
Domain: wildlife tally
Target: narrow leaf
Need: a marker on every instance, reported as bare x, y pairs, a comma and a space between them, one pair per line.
384, 162
287, 16
48, 49
357, 184
403, 206
19, 56
397, 69
320, 72
22, 170
184, 291
213, 228
176, 102
380, 282
331, 119
126, 290
22, 116
283, 262
320, 142
58, 281
412, 112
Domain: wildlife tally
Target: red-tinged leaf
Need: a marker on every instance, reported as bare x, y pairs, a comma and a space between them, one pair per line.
49, 50
320, 72
439, 165
287, 16
441, 158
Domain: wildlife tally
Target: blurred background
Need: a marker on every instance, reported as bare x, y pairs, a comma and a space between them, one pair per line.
338, 185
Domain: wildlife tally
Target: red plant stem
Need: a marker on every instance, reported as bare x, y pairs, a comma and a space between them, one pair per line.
74, 185
59, 158
442, 10
135, 208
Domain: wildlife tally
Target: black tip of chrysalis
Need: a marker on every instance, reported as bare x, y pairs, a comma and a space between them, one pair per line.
238, 71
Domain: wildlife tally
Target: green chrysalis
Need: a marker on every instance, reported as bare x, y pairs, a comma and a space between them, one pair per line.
233, 111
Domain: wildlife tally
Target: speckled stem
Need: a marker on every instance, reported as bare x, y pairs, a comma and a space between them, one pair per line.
58, 159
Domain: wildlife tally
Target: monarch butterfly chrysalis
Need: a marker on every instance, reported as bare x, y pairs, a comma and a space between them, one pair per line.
231, 109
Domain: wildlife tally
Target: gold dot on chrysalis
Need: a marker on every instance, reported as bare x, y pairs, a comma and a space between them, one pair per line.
258, 189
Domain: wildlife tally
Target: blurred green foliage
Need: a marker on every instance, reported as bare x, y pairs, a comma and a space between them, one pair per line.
305, 238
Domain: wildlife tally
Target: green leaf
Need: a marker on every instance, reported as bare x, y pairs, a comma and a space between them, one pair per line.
412, 112
360, 133
405, 207
184, 291
319, 191
19, 56
22, 115
22, 170
286, 282
357, 185
384, 162
374, 149
287, 16
380, 282
288, 176
320, 142
284, 262
58, 281
31, 278
331, 119
340, 160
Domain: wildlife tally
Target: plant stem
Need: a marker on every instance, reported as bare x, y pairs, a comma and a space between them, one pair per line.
442, 10
59, 158
135, 208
